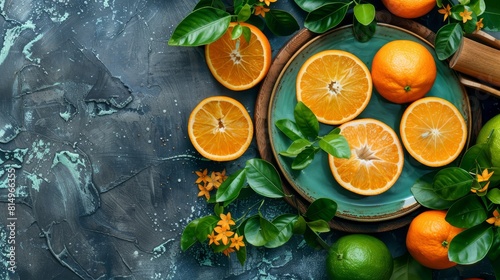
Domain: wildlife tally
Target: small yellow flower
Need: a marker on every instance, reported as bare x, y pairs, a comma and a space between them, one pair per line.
203, 191
485, 176
226, 221
223, 234
228, 251
479, 24
466, 15
221, 176
237, 242
446, 11
261, 10
268, 2
212, 239
202, 176
482, 190
495, 220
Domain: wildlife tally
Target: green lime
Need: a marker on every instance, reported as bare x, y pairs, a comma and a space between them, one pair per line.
490, 132
359, 257
484, 133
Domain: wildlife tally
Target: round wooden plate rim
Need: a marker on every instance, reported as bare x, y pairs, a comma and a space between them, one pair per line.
283, 57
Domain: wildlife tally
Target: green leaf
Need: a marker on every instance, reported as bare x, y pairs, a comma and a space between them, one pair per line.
205, 226
259, 231
311, 5
289, 128
494, 195
281, 23
218, 4
448, 40
471, 245
326, 17
231, 187
237, 31
474, 156
247, 33
335, 145
407, 268
464, 2
263, 178
241, 254
452, 183
319, 226
424, 193
188, 237
494, 253
202, 26
218, 209
466, 212
296, 147
306, 120
364, 13
363, 33
321, 209
304, 158
312, 238
284, 223
478, 7
299, 227
491, 15
245, 13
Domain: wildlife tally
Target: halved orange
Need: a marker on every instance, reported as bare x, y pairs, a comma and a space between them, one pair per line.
376, 160
238, 64
336, 85
433, 131
220, 128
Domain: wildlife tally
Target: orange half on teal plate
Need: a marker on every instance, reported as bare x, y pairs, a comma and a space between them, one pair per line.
316, 181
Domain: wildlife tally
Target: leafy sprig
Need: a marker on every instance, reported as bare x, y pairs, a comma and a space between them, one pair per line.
306, 141
210, 19
464, 17
470, 193
262, 178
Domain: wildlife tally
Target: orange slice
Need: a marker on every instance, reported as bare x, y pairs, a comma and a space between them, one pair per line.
220, 128
376, 160
238, 64
433, 131
336, 85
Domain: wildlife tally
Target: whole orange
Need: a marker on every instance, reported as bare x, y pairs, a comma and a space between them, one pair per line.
428, 238
409, 8
403, 71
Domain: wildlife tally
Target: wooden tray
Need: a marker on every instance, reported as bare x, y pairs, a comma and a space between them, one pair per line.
262, 137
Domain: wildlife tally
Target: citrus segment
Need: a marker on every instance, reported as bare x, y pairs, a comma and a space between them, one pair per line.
238, 64
403, 71
220, 128
376, 160
433, 131
428, 238
336, 85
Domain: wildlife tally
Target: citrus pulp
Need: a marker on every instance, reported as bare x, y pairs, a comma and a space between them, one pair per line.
236, 63
336, 85
220, 128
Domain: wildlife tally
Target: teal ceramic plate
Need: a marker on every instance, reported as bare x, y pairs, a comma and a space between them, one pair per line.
316, 181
